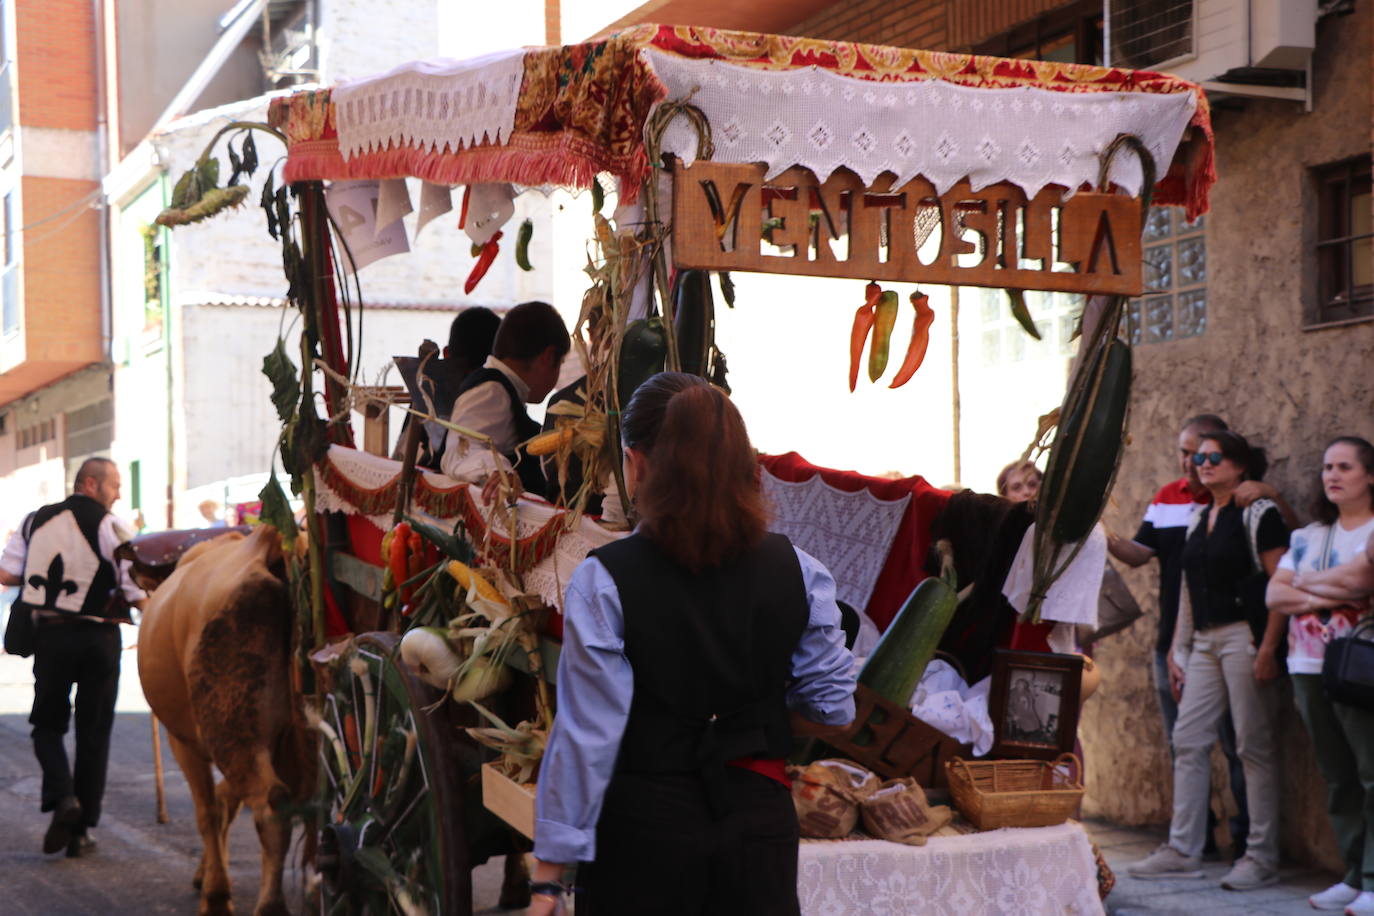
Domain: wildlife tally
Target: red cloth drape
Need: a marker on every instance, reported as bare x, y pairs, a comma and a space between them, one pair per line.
905, 566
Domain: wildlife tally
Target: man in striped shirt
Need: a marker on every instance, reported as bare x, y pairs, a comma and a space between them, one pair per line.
1161, 536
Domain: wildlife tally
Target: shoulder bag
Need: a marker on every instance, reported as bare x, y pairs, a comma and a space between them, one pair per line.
19, 630
1348, 667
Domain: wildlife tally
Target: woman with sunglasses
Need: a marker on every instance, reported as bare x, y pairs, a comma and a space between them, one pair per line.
1318, 611
1228, 641
693, 651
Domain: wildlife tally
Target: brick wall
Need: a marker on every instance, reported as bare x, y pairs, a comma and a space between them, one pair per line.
56, 65
936, 25
61, 273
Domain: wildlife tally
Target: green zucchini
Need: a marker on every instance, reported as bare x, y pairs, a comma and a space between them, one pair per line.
1099, 423
694, 318
901, 656
642, 353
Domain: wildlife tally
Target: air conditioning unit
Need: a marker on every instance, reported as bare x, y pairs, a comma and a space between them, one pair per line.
1260, 44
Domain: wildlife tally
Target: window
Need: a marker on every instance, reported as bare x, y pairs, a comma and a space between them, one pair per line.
1072, 34
1149, 33
9, 270
1345, 241
1174, 304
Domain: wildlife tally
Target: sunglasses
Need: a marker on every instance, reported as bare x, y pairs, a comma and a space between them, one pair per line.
1201, 458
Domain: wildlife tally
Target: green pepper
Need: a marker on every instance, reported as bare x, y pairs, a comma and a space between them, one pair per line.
522, 245
885, 317
642, 354
694, 319
1022, 314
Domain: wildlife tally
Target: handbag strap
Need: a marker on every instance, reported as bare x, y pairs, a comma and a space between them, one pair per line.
1324, 558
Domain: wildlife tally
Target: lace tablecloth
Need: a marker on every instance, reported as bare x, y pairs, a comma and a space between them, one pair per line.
1027, 872
850, 532
807, 116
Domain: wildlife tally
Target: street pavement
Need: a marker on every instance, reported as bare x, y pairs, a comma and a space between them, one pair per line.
1199, 896
140, 866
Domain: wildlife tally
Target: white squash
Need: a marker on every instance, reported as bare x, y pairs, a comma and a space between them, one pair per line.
430, 656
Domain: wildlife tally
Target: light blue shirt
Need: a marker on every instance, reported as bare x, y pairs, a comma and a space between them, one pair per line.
595, 686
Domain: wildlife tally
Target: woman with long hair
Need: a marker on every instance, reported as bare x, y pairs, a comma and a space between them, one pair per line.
1228, 642
1342, 735
694, 650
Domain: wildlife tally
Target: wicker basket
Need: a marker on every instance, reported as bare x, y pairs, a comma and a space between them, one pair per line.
1015, 793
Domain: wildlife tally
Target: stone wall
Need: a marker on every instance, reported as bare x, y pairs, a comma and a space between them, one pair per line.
1285, 385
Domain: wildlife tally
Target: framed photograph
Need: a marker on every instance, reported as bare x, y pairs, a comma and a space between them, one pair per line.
1033, 703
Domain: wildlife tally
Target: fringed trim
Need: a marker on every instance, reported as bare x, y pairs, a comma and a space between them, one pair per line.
450, 502
530, 159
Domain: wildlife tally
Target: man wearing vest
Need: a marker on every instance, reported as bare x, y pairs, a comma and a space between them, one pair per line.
62, 558
523, 368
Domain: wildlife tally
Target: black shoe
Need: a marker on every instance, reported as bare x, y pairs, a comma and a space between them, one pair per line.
80, 845
66, 820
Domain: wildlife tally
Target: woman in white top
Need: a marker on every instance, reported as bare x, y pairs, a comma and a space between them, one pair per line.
1342, 735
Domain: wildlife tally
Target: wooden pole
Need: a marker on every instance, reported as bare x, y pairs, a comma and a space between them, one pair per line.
162, 817
955, 410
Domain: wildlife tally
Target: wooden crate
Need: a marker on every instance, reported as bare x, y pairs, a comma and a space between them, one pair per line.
887, 739
508, 799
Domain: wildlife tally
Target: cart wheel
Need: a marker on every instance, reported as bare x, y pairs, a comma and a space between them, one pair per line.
393, 838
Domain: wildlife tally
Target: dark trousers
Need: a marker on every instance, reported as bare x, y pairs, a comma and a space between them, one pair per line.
659, 850
1343, 737
86, 655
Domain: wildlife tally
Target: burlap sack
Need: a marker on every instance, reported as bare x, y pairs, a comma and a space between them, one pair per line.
827, 794
898, 811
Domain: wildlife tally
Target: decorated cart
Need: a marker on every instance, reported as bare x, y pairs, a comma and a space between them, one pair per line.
705, 152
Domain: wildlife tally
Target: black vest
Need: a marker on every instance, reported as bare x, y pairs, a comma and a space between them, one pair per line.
63, 568
525, 428
711, 655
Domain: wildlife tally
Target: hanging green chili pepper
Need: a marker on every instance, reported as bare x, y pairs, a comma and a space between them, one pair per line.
920, 340
884, 318
858, 334
598, 195
1021, 313
479, 270
522, 245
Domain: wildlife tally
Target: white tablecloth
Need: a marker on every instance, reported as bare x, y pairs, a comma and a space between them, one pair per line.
1015, 872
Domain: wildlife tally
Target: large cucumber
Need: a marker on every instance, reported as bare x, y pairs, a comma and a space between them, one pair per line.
896, 665
1099, 422
642, 352
694, 319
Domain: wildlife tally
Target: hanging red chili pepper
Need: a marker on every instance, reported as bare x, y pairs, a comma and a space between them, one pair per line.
463, 211
920, 340
858, 334
479, 270
396, 558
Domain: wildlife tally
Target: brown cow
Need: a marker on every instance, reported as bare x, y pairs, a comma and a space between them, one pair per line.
214, 658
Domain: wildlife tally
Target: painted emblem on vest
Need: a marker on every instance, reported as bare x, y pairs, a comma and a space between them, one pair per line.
54, 586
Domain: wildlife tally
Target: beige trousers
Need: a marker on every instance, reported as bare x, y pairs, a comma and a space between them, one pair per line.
1220, 676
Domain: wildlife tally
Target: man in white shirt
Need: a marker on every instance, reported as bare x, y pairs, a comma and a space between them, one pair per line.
62, 558
523, 368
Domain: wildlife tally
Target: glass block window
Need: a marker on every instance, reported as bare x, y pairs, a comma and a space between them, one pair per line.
1175, 273
1003, 340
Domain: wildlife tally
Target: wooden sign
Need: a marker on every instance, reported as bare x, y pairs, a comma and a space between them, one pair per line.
727, 217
